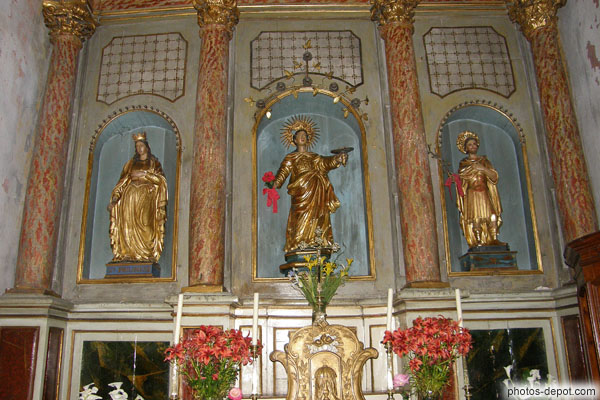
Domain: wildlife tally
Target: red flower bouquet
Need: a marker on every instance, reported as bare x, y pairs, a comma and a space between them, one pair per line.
268, 179
431, 345
210, 360
272, 195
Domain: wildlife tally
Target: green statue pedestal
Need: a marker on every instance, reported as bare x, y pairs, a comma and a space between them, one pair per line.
132, 269
295, 258
489, 258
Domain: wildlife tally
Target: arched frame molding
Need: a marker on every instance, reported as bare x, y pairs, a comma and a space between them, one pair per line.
531, 231
167, 122
345, 107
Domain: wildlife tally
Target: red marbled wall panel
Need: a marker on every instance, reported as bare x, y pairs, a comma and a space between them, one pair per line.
18, 353
207, 208
569, 170
417, 214
44, 195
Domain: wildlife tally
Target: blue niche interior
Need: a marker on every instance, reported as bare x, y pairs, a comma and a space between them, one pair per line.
500, 142
349, 222
114, 147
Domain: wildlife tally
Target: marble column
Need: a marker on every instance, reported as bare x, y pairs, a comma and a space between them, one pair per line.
70, 23
538, 21
217, 19
417, 213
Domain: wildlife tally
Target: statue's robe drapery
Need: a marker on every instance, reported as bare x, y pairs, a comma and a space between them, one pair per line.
312, 197
137, 220
480, 200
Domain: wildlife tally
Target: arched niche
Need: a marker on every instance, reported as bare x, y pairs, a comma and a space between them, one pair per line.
111, 147
502, 141
351, 223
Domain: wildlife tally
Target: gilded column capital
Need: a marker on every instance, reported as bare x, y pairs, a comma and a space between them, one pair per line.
532, 15
219, 12
394, 11
69, 17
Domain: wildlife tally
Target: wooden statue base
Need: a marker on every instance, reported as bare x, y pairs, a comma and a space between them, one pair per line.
132, 269
295, 258
489, 258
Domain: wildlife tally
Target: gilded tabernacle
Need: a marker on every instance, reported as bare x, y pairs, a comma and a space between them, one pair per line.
479, 206
138, 207
312, 196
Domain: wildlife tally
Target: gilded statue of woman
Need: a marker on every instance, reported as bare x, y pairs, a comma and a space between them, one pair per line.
312, 195
138, 207
479, 206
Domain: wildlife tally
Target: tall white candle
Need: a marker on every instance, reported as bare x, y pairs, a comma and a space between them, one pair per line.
458, 308
255, 320
178, 318
388, 324
174, 372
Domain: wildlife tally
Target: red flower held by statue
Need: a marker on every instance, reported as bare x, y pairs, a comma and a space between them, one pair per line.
268, 178
272, 195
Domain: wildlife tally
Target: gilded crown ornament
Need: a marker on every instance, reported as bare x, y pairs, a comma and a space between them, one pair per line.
299, 123
69, 18
218, 12
462, 140
390, 11
139, 136
532, 15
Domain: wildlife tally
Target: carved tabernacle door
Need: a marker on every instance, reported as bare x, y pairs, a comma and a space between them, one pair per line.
324, 362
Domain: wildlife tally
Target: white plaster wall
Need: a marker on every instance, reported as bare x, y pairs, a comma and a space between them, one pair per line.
579, 25
24, 53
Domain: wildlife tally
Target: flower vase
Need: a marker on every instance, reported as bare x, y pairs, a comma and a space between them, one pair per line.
319, 314
429, 396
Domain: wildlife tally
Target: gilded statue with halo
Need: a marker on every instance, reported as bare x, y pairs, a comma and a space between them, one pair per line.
138, 207
479, 205
312, 196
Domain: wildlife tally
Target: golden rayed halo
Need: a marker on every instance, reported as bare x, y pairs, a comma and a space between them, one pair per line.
462, 140
139, 136
298, 123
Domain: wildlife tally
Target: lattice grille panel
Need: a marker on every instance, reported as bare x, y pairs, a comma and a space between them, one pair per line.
143, 64
273, 53
468, 57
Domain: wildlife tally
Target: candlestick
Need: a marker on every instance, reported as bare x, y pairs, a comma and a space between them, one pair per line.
459, 314
255, 356
388, 325
390, 370
255, 320
174, 372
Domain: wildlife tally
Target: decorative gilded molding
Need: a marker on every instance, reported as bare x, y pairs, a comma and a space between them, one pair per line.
219, 12
69, 17
394, 11
532, 15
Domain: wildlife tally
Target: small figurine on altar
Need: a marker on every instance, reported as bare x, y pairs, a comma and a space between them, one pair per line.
312, 196
479, 203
